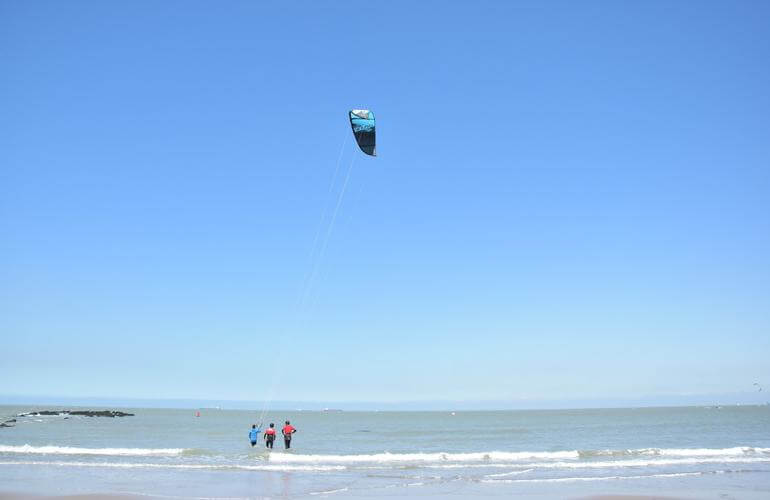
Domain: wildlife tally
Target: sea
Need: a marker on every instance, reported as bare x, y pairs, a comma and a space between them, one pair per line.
685, 452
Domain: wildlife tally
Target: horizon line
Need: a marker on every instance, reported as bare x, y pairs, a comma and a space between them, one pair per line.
648, 401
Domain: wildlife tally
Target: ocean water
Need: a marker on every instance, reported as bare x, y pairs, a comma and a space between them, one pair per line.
693, 452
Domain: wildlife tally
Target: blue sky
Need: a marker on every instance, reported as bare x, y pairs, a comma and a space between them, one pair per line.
570, 199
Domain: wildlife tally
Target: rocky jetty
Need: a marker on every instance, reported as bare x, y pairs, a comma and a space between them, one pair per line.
66, 414
84, 413
103, 413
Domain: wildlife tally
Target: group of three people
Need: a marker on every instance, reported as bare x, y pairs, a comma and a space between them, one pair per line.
269, 435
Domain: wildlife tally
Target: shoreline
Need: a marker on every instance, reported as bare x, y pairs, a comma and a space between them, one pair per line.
7, 495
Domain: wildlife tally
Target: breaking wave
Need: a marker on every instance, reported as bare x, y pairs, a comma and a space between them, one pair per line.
588, 479
120, 465
70, 450
738, 451
515, 462
642, 456
617, 464
386, 458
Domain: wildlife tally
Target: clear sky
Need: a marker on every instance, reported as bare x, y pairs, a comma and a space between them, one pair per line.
571, 199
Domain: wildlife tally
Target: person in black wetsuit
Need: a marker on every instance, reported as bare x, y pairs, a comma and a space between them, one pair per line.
287, 431
270, 436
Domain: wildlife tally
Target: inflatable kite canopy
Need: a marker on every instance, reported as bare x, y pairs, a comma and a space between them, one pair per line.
362, 122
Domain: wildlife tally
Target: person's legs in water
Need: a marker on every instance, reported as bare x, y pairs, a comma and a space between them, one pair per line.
287, 441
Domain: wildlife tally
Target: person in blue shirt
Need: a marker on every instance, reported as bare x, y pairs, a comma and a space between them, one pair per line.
253, 434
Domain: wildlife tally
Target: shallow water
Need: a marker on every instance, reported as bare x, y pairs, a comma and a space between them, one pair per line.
694, 452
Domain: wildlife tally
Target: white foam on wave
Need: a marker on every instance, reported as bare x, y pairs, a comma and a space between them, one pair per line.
616, 463
386, 458
737, 451
117, 465
511, 473
328, 492
636, 457
602, 478
71, 450
492, 457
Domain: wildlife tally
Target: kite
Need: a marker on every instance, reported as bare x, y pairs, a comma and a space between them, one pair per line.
362, 122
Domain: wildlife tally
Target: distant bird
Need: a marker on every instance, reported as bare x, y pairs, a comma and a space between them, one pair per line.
760, 387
